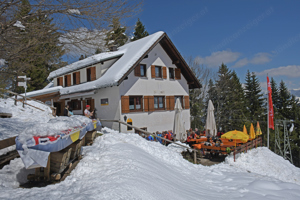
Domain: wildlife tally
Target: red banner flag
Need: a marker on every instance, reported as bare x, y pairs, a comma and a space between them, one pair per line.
271, 111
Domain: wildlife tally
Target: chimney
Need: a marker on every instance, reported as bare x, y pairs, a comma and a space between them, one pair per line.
113, 48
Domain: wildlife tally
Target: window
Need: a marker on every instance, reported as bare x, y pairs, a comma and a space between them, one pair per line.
140, 70
58, 82
67, 80
88, 74
135, 103
74, 78
75, 104
158, 72
159, 103
104, 102
180, 99
171, 73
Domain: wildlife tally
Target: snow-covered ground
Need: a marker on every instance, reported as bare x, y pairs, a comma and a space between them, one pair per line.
126, 166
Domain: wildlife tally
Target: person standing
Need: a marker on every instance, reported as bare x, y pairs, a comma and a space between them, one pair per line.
66, 111
87, 112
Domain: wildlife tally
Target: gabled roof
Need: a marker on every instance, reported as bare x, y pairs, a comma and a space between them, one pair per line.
131, 55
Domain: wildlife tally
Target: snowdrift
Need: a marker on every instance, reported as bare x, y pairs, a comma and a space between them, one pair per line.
126, 166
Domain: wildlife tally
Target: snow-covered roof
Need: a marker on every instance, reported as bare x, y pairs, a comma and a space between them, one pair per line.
84, 63
130, 53
43, 91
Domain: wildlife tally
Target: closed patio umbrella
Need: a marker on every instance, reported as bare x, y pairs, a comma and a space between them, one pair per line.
178, 128
210, 126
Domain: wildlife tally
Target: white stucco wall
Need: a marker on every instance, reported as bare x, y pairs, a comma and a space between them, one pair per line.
157, 120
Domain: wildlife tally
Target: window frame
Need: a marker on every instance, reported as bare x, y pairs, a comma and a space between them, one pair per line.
74, 78
173, 73
88, 74
163, 100
160, 71
78, 104
141, 102
137, 70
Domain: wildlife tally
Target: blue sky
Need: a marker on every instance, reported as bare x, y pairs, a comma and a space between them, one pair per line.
262, 36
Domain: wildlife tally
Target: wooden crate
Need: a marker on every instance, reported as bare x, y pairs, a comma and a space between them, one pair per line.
60, 160
76, 147
90, 136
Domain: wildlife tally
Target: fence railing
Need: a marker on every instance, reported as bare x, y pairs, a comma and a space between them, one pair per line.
24, 103
245, 147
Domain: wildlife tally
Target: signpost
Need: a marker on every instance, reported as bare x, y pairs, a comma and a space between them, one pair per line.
24, 84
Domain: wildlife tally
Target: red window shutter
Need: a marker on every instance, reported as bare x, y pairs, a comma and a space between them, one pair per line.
125, 104
146, 103
168, 103
172, 102
77, 77
83, 106
93, 73
69, 80
186, 102
153, 71
177, 74
164, 69
137, 71
151, 103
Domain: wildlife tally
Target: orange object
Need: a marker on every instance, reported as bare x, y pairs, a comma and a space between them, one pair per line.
197, 146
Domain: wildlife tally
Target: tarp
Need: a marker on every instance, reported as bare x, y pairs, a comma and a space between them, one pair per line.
210, 126
178, 128
36, 150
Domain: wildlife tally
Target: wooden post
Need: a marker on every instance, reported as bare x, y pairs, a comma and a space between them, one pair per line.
195, 157
246, 146
234, 155
23, 102
16, 100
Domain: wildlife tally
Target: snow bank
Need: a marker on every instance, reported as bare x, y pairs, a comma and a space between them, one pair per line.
126, 166
264, 162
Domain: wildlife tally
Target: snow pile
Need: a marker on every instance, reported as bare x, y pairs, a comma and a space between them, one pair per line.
126, 166
21, 117
265, 162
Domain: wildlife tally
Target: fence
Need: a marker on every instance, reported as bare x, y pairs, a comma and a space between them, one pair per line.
244, 148
23, 101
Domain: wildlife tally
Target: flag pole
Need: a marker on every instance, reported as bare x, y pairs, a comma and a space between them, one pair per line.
268, 118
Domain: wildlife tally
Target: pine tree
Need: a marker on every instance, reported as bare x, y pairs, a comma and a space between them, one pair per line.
116, 36
139, 31
254, 98
48, 50
285, 101
237, 104
223, 88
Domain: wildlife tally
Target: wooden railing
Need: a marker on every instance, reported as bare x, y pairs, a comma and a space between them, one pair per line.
247, 146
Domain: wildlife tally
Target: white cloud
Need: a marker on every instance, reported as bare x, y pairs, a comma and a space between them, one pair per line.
259, 58
216, 58
290, 71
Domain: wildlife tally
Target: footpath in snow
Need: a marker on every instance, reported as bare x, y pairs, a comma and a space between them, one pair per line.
126, 166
